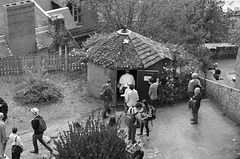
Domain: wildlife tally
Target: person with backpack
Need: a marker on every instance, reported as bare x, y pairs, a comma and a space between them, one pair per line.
107, 97
3, 109
15, 140
131, 121
146, 116
39, 126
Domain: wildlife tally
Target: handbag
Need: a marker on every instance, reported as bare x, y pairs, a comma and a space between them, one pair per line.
16, 148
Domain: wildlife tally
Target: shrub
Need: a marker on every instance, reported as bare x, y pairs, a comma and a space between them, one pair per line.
36, 88
92, 140
174, 84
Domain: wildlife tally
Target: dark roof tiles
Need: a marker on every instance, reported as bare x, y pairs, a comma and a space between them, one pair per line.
140, 52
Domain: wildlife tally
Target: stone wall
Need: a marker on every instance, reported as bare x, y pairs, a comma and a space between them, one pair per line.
227, 97
237, 71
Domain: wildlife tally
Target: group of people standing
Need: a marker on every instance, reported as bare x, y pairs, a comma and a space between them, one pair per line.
16, 144
138, 114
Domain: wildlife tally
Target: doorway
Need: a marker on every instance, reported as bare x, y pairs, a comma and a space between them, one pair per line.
119, 99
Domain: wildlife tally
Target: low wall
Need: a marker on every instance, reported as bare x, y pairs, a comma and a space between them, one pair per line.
228, 97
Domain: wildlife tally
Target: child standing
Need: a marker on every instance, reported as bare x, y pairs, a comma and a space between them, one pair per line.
14, 139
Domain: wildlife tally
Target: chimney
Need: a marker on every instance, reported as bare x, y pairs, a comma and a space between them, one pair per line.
19, 19
57, 28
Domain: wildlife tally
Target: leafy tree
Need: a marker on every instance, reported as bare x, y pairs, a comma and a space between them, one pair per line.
174, 21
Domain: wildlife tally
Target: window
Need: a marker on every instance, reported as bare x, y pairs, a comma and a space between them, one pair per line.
62, 50
75, 11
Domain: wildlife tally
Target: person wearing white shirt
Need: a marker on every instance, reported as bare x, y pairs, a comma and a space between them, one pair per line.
14, 139
124, 95
131, 96
125, 80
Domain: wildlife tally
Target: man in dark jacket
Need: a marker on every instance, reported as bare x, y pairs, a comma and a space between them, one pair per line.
3, 109
108, 97
37, 134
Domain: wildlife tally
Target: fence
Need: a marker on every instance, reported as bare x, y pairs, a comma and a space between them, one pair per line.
227, 96
17, 64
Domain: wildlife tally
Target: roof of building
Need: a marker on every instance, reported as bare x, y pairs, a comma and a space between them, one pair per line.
127, 51
62, 3
43, 38
69, 22
216, 45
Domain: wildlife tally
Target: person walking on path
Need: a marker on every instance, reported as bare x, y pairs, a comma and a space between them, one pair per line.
131, 97
3, 137
152, 92
108, 92
196, 100
3, 109
124, 80
38, 134
145, 113
15, 140
192, 84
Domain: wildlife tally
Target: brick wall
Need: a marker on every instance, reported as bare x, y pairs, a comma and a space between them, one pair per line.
20, 27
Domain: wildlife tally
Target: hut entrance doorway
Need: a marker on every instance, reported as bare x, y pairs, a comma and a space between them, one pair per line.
143, 85
120, 99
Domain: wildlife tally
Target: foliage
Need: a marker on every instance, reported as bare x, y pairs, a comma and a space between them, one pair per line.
36, 88
93, 140
174, 84
175, 21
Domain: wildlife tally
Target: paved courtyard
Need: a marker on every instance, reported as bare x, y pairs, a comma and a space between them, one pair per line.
173, 137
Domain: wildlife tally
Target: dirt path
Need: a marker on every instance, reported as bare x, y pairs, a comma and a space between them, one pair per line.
76, 105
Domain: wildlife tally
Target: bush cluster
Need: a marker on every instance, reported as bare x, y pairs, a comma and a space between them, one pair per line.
38, 92
36, 88
93, 140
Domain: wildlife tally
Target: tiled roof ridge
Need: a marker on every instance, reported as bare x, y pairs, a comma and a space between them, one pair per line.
127, 51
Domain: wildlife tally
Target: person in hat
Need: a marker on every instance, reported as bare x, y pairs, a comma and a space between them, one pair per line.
152, 92
108, 92
192, 84
3, 136
37, 135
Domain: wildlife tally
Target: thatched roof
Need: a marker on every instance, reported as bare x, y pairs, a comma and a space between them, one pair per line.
127, 50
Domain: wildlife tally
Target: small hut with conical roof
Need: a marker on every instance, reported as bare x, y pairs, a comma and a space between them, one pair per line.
125, 50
